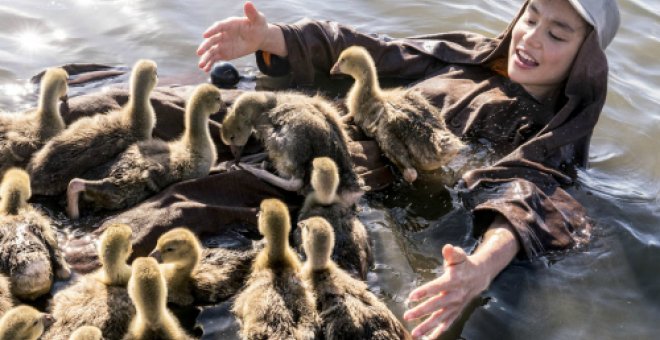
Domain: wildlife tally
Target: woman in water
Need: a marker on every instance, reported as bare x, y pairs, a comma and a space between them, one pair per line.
534, 93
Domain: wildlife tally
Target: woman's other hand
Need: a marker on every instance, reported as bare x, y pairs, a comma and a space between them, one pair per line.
233, 37
445, 297
464, 278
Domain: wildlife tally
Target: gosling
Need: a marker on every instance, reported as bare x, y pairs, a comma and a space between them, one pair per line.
23, 323
99, 299
149, 294
294, 129
87, 333
408, 129
275, 303
24, 134
200, 276
32, 258
6, 298
352, 251
147, 167
92, 141
348, 309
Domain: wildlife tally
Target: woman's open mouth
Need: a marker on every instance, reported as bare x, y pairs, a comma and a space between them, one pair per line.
524, 60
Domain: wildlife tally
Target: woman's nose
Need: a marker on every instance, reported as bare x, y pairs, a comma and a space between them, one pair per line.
532, 37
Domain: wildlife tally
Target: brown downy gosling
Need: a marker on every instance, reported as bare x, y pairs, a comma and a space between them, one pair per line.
275, 303
348, 309
23, 323
200, 276
100, 298
352, 251
31, 256
294, 129
406, 126
87, 333
147, 167
6, 298
22, 135
148, 292
92, 141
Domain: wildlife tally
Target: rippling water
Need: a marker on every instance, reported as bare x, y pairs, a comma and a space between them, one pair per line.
610, 290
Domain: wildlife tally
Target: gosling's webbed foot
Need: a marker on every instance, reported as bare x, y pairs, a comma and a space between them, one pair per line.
410, 175
349, 198
292, 184
63, 272
76, 186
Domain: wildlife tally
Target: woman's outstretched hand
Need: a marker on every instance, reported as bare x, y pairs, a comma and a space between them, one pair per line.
233, 37
464, 278
445, 297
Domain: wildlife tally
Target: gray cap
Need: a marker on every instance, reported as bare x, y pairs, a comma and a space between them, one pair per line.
603, 15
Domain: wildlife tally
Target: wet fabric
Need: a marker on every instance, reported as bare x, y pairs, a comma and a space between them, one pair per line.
540, 143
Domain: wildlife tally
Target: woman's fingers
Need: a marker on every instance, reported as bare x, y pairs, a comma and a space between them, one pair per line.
207, 60
250, 11
436, 323
431, 288
434, 303
453, 255
208, 43
219, 27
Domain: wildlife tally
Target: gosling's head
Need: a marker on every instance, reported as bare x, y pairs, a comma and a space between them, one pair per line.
237, 125
23, 322
147, 289
274, 221
54, 84
354, 61
14, 191
318, 239
206, 99
87, 333
144, 77
116, 245
325, 179
179, 246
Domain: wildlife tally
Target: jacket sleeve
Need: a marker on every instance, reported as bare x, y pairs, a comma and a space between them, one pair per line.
526, 187
314, 46
543, 215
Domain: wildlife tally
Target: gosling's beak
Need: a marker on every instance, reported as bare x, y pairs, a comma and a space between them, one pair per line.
48, 320
156, 254
65, 98
236, 151
335, 69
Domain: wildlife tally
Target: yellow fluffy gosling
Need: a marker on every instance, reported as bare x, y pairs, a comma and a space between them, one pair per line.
348, 309
148, 292
275, 303
92, 141
100, 298
406, 126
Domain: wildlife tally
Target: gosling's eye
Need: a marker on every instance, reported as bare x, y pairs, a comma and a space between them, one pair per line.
35, 322
169, 249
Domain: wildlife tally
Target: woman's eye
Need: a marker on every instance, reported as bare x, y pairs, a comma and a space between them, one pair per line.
531, 22
555, 37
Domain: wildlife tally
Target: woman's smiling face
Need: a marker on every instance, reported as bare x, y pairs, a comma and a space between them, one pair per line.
544, 43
